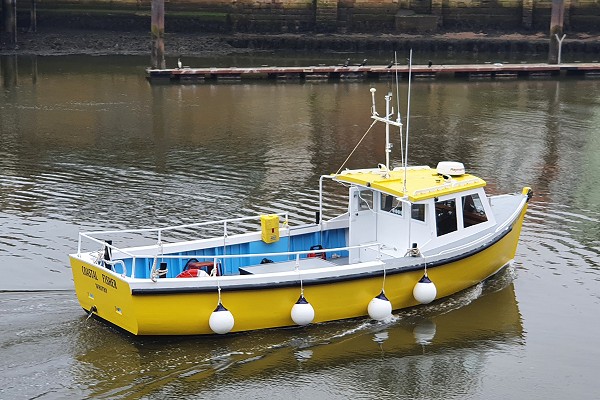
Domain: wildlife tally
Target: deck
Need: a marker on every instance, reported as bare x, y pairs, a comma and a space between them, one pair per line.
375, 72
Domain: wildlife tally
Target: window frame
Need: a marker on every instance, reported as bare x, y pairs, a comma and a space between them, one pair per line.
424, 213
483, 207
457, 226
365, 204
400, 205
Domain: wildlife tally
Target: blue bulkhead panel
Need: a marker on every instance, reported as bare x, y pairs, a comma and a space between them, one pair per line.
327, 239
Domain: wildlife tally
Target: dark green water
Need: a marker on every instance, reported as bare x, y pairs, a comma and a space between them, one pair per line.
87, 143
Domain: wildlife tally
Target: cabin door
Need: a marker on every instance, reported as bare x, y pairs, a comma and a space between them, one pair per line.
363, 223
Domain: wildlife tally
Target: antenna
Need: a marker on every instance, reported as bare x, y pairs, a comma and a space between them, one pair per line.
407, 120
373, 111
399, 117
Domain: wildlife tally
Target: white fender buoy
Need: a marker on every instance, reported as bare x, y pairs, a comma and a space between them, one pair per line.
302, 312
424, 291
379, 307
221, 320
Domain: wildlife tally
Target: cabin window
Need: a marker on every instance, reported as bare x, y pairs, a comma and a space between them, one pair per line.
391, 204
473, 211
417, 212
445, 216
365, 200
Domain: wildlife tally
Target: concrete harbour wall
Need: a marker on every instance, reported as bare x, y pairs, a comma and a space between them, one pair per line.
299, 16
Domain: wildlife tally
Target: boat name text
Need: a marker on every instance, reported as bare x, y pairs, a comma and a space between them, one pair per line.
109, 281
102, 288
89, 272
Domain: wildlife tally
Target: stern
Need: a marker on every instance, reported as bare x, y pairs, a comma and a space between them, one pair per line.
103, 293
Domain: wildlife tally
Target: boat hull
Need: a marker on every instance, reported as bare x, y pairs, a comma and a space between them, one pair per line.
187, 312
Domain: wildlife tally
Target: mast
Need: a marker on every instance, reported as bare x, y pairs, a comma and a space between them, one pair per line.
388, 145
398, 109
387, 121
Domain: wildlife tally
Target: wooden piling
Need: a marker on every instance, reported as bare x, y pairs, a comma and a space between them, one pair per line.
9, 8
158, 32
33, 17
556, 29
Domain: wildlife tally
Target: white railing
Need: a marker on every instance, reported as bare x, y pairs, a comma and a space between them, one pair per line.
159, 231
156, 249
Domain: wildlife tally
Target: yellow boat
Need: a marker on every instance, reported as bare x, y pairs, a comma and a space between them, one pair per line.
410, 236
477, 326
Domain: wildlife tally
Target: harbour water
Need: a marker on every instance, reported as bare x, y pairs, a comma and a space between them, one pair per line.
87, 143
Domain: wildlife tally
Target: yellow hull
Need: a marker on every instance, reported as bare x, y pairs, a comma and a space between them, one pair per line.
111, 298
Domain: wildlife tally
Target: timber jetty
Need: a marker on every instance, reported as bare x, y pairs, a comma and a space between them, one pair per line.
335, 73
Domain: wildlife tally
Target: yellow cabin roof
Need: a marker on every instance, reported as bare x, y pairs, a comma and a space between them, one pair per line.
421, 182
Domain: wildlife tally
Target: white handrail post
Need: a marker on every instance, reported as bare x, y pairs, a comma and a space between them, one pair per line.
224, 242
320, 199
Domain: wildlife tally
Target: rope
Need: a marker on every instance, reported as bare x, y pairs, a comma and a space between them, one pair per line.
153, 271
383, 283
214, 271
99, 255
365, 201
218, 288
297, 267
355, 147
415, 252
93, 311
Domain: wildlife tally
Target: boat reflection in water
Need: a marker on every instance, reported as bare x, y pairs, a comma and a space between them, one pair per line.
455, 335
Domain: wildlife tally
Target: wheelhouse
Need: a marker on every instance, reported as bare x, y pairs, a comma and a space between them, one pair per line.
429, 210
